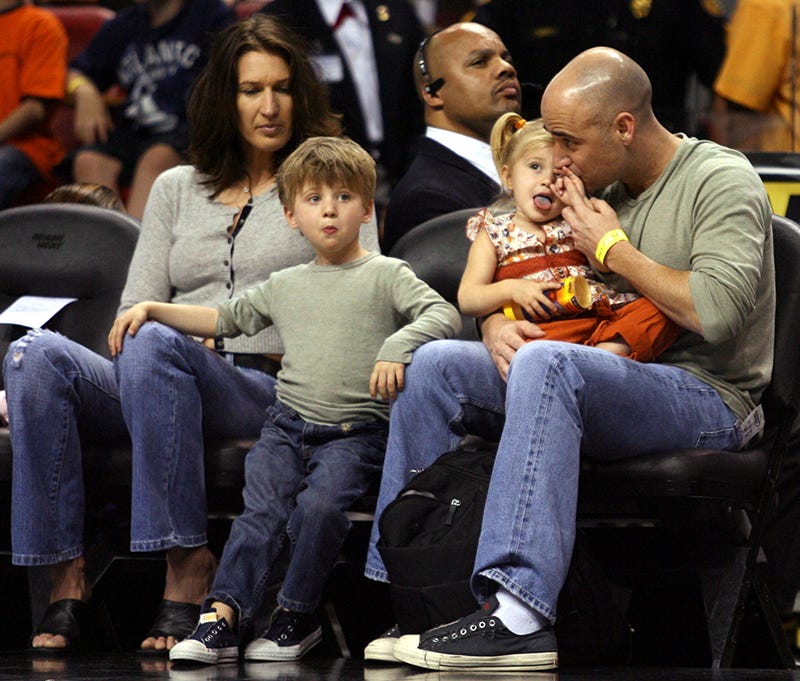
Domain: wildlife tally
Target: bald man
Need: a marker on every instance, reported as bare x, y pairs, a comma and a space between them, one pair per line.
667, 226
466, 80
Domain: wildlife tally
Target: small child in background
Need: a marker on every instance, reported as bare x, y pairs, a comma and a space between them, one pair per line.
518, 256
350, 322
89, 193
79, 192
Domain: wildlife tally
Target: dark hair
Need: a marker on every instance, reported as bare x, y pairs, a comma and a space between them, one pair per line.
216, 147
86, 192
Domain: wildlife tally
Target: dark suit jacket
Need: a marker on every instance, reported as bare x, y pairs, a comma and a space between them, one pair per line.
438, 181
396, 33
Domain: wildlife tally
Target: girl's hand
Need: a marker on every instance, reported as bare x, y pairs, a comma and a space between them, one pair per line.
531, 297
128, 322
386, 380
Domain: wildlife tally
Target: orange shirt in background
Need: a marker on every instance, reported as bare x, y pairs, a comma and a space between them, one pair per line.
33, 63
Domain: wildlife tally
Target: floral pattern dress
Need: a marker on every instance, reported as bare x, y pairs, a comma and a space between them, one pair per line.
522, 254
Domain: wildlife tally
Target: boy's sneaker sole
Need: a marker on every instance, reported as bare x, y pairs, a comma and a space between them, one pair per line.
406, 650
381, 649
264, 650
190, 650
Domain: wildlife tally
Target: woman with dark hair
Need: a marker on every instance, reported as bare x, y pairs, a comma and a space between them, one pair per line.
209, 231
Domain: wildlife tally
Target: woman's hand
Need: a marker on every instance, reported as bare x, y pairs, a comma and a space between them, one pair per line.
386, 380
128, 322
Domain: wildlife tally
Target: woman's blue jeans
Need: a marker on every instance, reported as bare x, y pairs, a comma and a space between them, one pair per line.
171, 390
300, 478
560, 399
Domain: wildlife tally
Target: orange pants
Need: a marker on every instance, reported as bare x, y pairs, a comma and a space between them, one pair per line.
640, 324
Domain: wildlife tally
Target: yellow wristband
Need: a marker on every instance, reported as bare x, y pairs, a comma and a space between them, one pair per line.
75, 82
608, 239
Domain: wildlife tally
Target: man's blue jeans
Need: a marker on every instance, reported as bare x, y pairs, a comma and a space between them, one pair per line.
170, 389
560, 399
300, 478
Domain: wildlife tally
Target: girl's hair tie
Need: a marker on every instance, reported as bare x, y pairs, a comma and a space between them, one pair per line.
519, 123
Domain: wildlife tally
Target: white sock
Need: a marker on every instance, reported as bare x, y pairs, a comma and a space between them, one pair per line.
518, 616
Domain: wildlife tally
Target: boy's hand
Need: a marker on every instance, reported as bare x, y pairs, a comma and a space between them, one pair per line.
129, 321
386, 380
531, 297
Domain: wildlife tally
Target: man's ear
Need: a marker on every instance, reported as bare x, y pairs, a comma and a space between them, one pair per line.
625, 127
289, 213
434, 101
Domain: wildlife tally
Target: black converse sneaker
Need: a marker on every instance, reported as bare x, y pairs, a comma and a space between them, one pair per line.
381, 649
479, 641
212, 642
290, 636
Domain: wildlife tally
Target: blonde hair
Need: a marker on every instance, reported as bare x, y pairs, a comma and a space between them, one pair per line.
327, 160
512, 136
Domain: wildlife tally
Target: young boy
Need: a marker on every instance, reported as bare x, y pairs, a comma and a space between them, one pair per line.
350, 321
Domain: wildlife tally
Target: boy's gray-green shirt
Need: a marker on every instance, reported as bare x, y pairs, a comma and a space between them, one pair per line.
336, 321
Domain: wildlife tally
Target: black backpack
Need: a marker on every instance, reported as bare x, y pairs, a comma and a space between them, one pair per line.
428, 538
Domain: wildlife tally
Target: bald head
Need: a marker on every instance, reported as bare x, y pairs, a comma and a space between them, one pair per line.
466, 79
598, 108
606, 81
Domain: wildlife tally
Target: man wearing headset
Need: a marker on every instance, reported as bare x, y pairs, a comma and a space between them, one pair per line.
466, 80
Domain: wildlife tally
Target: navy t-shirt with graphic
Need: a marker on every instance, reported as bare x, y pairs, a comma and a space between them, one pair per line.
155, 67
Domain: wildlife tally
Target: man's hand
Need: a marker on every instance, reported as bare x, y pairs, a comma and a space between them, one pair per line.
92, 118
590, 218
504, 337
386, 380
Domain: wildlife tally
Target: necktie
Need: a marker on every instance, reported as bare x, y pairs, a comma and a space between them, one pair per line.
344, 14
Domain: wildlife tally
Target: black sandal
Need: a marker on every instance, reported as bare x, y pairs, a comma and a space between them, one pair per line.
66, 618
173, 619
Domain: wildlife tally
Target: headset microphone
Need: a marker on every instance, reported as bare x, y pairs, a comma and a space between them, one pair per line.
433, 86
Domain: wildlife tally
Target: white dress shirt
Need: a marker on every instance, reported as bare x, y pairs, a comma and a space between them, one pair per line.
477, 152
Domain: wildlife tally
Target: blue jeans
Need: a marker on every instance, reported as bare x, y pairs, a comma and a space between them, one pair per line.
560, 399
300, 478
175, 392
61, 395
17, 173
